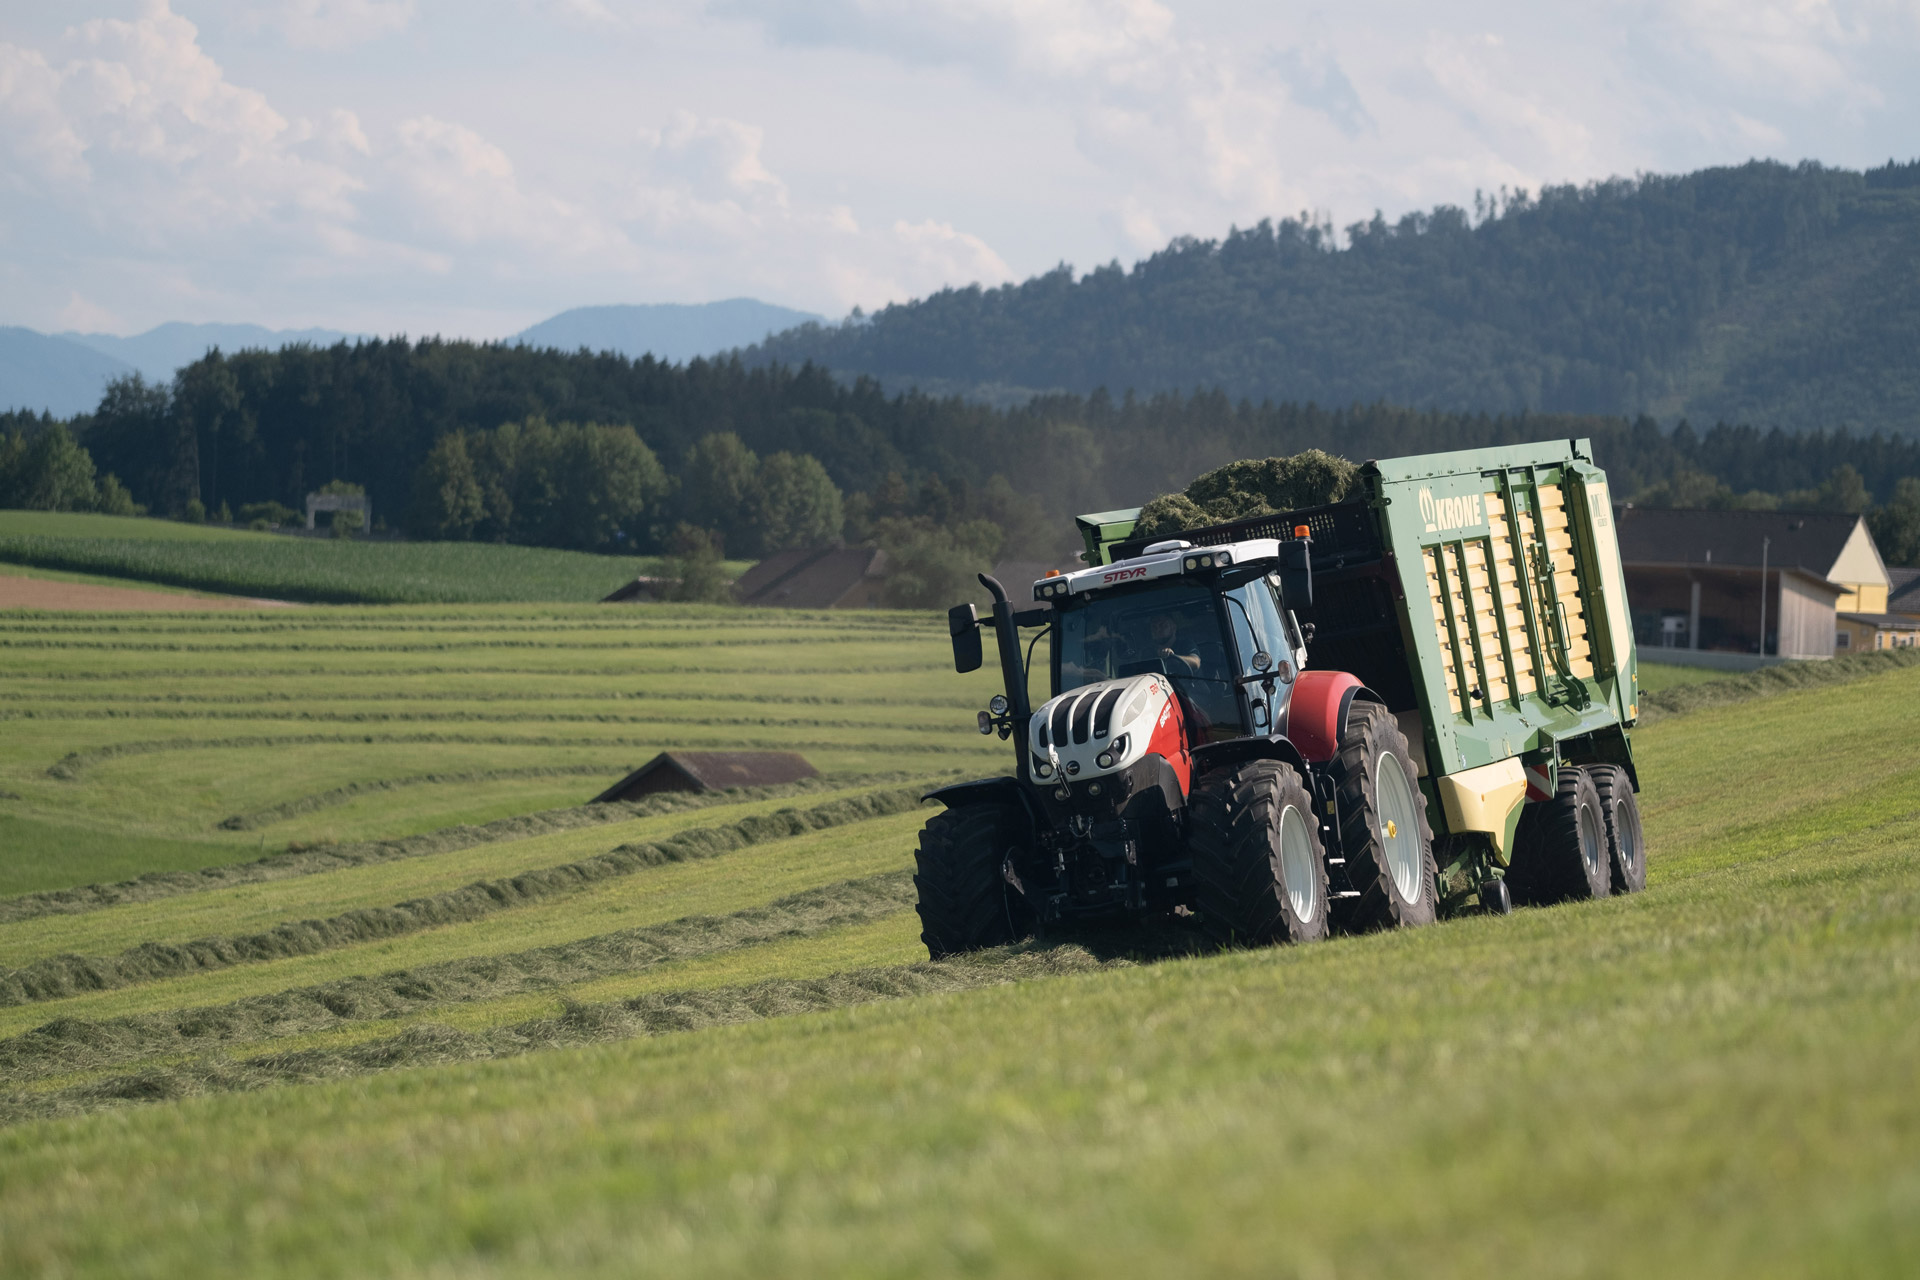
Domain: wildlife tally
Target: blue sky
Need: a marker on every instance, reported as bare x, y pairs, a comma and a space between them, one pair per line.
469, 168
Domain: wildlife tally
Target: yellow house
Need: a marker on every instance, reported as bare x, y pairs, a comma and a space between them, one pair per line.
1895, 627
1860, 570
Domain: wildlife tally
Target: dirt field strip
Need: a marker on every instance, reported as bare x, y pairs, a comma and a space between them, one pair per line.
76, 597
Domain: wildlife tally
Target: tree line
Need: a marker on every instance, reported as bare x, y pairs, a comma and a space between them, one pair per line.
599, 452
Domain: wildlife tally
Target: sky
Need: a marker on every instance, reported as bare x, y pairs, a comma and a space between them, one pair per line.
469, 167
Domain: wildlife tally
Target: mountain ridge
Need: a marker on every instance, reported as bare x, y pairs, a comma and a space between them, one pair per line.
1761, 293
672, 331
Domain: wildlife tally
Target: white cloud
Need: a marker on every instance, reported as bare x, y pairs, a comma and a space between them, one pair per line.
87, 316
338, 24
288, 161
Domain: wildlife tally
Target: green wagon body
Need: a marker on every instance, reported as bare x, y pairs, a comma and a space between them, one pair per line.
1480, 595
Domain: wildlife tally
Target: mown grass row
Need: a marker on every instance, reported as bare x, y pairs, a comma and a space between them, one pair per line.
54, 977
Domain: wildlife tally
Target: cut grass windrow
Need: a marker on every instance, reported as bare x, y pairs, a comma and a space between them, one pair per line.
294, 863
654, 1013
58, 977
77, 1044
1771, 681
70, 767
341, 795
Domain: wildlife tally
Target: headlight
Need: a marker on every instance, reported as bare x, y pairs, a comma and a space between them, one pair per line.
1042, 770
1063, 792
1104, 759
997, 704
1192, 563
1093, 788
1224, 558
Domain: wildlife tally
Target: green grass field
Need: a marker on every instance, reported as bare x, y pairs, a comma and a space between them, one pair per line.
391, 1002
276, 566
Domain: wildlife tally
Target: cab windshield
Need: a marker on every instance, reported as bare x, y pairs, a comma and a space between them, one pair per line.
1173, 630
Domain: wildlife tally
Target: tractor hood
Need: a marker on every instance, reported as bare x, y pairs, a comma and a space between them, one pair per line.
1103, 728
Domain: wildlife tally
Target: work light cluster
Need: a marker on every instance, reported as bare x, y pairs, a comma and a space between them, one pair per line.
1209, 559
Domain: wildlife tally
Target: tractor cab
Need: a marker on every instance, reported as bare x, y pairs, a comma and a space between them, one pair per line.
1216, 625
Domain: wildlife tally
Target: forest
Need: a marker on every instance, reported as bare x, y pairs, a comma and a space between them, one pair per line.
1783, 296
457, 440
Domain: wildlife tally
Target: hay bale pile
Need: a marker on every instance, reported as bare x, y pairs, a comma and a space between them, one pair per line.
1254, 487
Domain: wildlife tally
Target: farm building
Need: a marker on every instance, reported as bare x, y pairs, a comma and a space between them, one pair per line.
709, 771
822, 578
1896, 628
1708, 579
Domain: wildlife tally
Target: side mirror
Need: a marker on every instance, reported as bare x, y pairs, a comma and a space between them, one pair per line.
963, 624
1296, 574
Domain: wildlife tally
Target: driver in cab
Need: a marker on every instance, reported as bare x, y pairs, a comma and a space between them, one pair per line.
1165, 630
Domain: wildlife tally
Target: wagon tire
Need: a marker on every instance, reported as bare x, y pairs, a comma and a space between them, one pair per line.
1560, 847
1260, 873
1620, 815
1384, 834
966, 901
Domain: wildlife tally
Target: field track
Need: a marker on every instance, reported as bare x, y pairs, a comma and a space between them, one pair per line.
17, 592
312, 962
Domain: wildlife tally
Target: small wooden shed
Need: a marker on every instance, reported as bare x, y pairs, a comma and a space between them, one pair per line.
709, 771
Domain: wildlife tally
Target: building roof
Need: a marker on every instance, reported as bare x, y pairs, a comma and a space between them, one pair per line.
816, 579
1903, 590
710, 771
1809, 540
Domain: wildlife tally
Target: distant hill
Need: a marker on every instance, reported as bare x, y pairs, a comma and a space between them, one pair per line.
55, 375
1765, 293
162, 350
668, 330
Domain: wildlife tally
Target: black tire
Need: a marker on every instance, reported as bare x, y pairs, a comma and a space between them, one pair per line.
1560, 848
1394, 875
960, 871
1620, 814
1256, 882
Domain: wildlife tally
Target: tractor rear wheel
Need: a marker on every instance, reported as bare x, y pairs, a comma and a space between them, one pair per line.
966, 902
1620, 814
1260, 874
1384, 834
1560, 848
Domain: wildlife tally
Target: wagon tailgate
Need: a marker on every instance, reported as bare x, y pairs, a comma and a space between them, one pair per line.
1515, 606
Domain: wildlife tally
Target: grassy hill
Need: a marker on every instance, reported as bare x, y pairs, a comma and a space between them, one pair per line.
317, 570
393, 1003
1763, 293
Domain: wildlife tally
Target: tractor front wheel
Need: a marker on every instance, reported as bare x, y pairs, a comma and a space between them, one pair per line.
1384, 834
1259, 871
966, 900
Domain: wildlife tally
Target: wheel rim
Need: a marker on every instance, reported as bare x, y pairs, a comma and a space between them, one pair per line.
1399, 826
1297, 866
1628, 838
1593, 848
